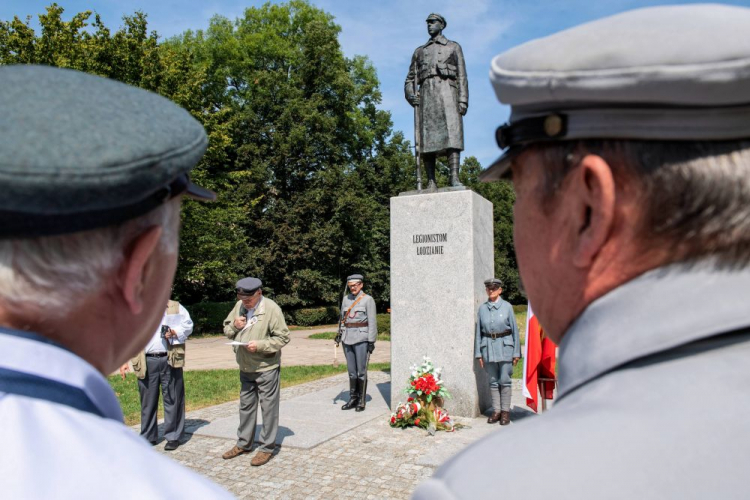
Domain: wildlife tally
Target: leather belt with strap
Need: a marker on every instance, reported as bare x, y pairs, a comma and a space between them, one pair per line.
497, 335
156, 354
355, 325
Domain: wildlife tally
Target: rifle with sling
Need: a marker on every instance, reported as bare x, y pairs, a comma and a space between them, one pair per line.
417, 133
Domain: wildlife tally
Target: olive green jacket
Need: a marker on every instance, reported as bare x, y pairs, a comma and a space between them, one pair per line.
269, 332
175, 352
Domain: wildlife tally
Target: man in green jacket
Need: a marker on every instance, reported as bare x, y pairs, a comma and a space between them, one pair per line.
258, 323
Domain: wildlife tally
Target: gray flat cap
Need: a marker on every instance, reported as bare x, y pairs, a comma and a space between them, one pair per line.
355, 277
439, 18
248, 285
493, 282
660, 73
79, 152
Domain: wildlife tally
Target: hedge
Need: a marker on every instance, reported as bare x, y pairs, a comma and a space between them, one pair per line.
209, 317
312, 316
520, 308
384, 324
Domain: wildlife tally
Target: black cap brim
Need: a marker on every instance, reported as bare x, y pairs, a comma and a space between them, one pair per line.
195, 192
18, 224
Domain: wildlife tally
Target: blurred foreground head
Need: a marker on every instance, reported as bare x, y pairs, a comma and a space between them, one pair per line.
93, 172
629, 149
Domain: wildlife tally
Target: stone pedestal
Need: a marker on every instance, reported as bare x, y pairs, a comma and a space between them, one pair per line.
441, 253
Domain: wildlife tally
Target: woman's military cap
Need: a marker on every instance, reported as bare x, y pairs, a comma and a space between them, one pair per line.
79, 152
660, 73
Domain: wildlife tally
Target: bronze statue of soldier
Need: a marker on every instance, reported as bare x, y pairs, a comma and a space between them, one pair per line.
438, 89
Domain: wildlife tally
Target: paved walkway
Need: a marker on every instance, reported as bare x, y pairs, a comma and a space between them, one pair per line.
211, 353
369, 461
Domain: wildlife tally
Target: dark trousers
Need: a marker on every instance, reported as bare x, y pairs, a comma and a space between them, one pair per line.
162, 377
356, 360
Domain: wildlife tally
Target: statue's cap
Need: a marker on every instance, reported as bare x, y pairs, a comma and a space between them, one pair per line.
439, 18
670, 73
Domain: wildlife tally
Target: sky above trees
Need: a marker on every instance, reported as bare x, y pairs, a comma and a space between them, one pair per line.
387, 32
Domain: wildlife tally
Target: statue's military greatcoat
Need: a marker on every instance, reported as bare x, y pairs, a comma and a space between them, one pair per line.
439, 69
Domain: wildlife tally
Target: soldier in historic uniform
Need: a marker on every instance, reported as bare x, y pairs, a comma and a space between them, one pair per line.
358, 330
498, 348
439, 71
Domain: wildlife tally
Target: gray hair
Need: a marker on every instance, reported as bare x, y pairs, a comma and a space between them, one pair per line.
55, 273
695, 195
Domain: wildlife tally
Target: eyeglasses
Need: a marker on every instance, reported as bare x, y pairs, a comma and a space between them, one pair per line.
492, 287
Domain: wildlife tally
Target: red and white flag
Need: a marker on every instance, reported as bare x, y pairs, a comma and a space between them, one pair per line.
538, 361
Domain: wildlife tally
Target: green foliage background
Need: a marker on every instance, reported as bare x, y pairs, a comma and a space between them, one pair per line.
303, 161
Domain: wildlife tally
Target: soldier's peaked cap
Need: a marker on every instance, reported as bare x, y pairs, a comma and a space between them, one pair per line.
439, 18
355, 277
660, 73
79, 152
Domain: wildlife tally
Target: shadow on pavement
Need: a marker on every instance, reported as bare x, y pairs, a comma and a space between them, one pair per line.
341, 397
385, 391
191, 425
284, 432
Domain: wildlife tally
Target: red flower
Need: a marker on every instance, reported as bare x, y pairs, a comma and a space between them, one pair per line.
409, 399
416, 421
393, 420
426, 384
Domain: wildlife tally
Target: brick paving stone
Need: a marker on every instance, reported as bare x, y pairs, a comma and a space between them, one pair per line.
370, 461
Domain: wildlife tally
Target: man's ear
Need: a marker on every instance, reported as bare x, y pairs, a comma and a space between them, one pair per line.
593, 197
136, 266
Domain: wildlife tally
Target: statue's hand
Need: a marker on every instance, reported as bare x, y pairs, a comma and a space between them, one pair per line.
462, 108
414, 100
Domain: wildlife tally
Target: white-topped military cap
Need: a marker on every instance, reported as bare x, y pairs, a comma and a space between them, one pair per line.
659, 73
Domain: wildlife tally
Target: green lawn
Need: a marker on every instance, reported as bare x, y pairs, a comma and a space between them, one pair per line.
294, 328
521, 321
332, 335
211, 387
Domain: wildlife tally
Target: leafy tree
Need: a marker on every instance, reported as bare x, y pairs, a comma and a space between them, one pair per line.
302, 160
309, 158
502, 197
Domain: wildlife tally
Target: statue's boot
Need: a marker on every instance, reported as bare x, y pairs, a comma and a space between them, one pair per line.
454, 161
430, 168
